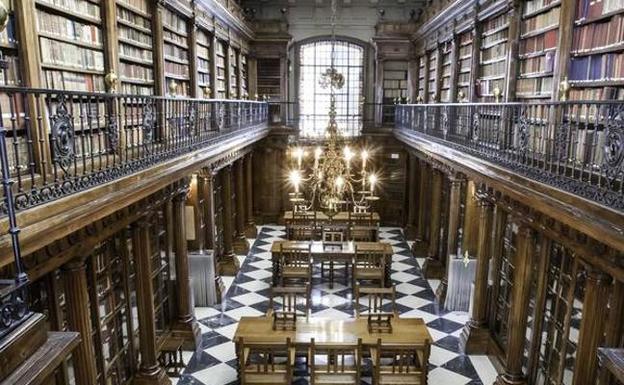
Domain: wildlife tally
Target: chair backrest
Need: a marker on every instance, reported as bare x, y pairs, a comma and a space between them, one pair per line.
296, 256
334, 234
361, 219
290, 297
258, 359
341, 359
373, 298
366, 258
401, 359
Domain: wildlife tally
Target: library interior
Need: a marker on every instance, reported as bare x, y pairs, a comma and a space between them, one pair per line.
216, 192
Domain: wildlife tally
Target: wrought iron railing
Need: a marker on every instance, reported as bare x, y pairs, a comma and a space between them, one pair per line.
56, 143
574, 146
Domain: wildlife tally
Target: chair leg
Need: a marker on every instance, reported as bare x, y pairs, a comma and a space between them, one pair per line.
331, 274
322, 269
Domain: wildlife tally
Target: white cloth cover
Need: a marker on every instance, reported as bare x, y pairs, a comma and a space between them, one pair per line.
459, 281
203, 278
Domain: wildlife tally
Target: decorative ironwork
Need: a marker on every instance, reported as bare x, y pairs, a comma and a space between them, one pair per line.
445, 121
220, 116
63, 136
523, 132
149, 122
13, 309
112, 133
476, 126
614, 143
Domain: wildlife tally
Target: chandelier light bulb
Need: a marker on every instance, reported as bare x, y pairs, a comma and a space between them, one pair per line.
372, 180
318, 152
364, 159
339, 183
295, 179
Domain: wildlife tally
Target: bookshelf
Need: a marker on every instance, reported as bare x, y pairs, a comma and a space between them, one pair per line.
432, 58
421, 76
464, 66
445, 75
220, 51
269, 79
233, 74
10, 76
70, 43
244, 75
539, 33
136, 62
596, 68
493, 57
204, 49
176, 52
394, 86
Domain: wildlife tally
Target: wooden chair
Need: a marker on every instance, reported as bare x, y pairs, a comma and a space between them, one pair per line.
258, 364
342, 363
333, 237
285, 318
302, 226
296, 264
369, 265
362, 228
379, 320
400, 364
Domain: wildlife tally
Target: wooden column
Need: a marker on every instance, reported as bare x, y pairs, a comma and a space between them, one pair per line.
592, 327
160, 87
150, 372
241, 246
520, 296
412, 205
475, 337
475, 61
438, 75
420, 245
454, 211
252, 76
192, 42
454, 68
433, 267
228, 70
471, 220
213, 66
250, 231
111, 46
79, 320
228, 265
512, 51
186, 326
425, 97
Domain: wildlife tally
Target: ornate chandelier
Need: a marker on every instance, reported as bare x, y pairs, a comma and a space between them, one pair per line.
332, 183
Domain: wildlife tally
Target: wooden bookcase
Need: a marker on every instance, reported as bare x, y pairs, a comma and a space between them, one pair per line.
71, 44
233, 72
596, 68
539, 30
493, 56
244, 70
220, 52
464, 65
204, 62
134, 34
445, 74
269, 79
432, 58
11, 75
395, 86
421, 77
176, 52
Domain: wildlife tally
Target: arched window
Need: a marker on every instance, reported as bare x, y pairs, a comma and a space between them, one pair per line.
315, 58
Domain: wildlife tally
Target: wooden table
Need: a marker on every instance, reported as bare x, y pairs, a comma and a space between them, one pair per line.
412, 331
321, 253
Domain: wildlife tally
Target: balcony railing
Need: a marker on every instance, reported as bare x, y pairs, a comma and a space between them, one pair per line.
573, 146
56, 143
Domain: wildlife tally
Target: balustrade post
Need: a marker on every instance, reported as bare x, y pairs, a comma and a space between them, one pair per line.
595, 305
79, 320
475, 337
241, 246
150, 372
433, 267
410, 228
186, 326
520, 296
228, 264
452, 230
251, 231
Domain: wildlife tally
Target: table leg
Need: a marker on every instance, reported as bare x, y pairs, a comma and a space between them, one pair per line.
331, 274
276, 272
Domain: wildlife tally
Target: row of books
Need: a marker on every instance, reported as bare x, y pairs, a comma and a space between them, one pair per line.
135, 52
176, 52
496, 52
136, 89
541, 21
203, 79
10, 76
493, 69
134, 35
495, 37
543, 63
182, 88
203, 38
68, 29
393, 84
83, 7
132, 18
175, 38
174, 22
591, 9
69, 55
176, 69
465, 50
465, 38
494, 23
203, 52
534, 86
531, 6
136, 72
604, 93
464, 77
599, 35
65, 80
539, 43
486, 87
597, 67
141, 5
203, 64
7, 36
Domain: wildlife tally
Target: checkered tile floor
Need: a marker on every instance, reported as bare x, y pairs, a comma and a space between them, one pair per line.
248, 296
